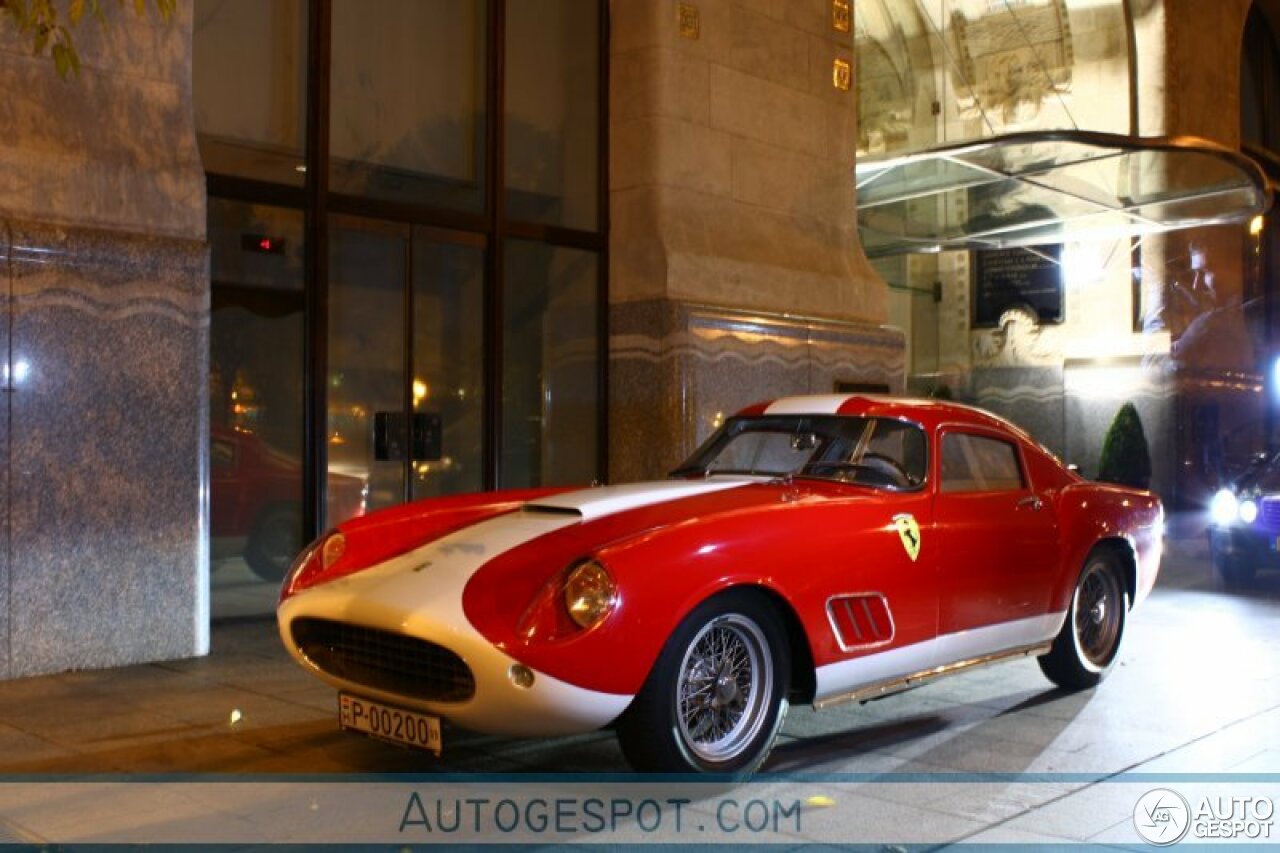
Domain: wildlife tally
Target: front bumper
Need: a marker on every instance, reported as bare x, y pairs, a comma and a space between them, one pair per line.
419, 594
1256, 546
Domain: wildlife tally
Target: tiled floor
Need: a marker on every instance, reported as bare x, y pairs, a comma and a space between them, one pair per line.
1197, 691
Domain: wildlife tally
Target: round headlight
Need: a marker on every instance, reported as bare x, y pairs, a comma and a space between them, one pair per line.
1248, 511
589, 594
1224, 508
334, 547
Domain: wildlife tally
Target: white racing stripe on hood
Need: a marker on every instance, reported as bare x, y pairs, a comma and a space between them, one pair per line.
606, 500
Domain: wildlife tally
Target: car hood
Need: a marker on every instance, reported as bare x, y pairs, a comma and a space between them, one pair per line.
600, 501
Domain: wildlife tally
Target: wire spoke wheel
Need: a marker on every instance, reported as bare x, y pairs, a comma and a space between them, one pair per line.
724, 687
717, 693
1099, 603
1086, 648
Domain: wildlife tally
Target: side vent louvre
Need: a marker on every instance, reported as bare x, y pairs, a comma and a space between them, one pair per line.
860, 620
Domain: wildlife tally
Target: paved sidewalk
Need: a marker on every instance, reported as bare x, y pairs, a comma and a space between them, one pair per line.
1197, 691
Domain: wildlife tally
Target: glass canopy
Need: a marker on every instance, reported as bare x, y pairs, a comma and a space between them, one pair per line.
1039, 187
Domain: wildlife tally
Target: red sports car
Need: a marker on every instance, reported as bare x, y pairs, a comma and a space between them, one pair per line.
815, 549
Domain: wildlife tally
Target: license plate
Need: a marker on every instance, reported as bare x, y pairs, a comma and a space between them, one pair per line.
387, 722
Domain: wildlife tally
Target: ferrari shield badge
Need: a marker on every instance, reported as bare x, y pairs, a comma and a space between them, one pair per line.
909, 533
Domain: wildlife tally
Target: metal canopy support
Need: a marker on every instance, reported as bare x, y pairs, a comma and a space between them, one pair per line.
1041, 187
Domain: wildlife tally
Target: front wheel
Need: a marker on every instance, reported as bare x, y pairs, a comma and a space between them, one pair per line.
716, 696
274, 542
1089, 642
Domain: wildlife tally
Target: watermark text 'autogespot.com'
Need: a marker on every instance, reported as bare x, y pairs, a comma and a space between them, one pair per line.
595, 815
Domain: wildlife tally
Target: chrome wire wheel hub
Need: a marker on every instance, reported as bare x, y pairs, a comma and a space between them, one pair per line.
1097, 614
726, 679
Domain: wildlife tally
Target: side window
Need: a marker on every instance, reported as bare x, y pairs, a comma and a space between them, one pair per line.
974, 463
222, 456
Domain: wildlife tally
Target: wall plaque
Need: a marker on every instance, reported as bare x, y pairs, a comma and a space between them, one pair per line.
690, 23
841, 15
841, 75
1004, 278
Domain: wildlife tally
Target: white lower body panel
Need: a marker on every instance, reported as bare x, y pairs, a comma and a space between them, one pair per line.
847, 676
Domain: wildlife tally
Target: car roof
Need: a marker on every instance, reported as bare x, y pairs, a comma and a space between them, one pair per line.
926, 412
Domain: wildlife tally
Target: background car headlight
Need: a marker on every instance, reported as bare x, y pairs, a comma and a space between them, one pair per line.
1224, 509
1248, 511
589, 594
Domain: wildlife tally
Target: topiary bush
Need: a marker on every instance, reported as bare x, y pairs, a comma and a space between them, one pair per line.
1126, 458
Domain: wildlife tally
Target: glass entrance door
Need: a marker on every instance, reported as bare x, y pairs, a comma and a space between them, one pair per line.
405, 389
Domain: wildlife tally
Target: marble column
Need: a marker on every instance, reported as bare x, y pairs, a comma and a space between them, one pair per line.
104, 343
735, 269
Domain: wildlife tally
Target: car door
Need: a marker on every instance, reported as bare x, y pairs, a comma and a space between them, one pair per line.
997, 544
873, 564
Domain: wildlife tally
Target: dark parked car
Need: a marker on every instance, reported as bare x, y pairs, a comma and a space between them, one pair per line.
1244, 529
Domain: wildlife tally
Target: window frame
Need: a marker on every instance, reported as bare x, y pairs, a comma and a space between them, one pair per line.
318, 202
990, 434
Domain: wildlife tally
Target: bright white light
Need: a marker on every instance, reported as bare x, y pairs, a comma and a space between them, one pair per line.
17, 375
1103, 381
1256, 225
1081, 264
1224, 508
1248, 511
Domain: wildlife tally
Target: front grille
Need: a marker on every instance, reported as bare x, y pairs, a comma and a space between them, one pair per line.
1270, 514
384, 660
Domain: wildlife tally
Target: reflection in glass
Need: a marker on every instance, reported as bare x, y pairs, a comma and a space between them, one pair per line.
448, 367
944, 71
366, 427
249, 87
407, 89
550, 395
552, 111
255, 394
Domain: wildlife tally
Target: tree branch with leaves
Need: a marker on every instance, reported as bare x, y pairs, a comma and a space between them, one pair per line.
48, 24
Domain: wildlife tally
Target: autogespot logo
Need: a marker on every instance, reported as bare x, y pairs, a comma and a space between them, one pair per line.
1162, 817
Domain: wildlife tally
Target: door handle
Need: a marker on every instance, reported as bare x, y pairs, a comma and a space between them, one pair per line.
1032, 501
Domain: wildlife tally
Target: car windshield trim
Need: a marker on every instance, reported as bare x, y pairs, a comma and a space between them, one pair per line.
826, 432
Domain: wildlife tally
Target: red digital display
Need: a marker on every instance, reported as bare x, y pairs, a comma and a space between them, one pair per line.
262, 244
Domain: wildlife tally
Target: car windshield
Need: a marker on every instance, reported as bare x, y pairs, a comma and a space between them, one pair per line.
1262, 476
876, 452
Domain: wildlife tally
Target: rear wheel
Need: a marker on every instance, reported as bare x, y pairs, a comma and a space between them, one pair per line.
1087, 646
716, 696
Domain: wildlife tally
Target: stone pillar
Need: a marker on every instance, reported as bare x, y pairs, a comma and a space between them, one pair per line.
735, 269
104, 342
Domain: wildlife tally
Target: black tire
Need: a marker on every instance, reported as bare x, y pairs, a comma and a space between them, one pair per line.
1233, 570
740, 635
275, 540
1086, 648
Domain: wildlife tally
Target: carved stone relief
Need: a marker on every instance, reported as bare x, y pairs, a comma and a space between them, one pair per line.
1011, 60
